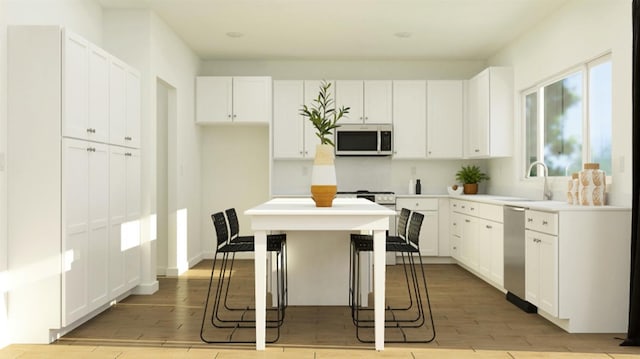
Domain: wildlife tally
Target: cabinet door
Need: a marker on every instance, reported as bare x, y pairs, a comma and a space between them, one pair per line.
132, 225
409, 119
469, 252
213, 99
132, 112
117, 216
429, 234
117, 103
252, 99
445, 113
532, 267
75, 87
548, 288
98, 243
485, 229
477, 126
497, 253
288, 124
98, 92
75, 218
378, 101
350, 94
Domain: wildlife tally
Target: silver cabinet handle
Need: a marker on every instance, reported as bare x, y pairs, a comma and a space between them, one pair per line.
234, 116
91, 149
229, 116
529, 219
477, 150
544, 223
128, 154
488, 226
466, 220
127, 138
472, 208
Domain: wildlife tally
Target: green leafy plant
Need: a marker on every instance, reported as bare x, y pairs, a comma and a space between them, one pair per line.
471, 174
323, 114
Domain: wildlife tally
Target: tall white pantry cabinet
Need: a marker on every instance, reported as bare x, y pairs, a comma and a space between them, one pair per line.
73, 165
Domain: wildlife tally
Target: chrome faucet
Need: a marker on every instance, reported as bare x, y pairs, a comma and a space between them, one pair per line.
546, 191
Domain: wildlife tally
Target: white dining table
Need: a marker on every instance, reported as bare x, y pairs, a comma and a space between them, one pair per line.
301, 214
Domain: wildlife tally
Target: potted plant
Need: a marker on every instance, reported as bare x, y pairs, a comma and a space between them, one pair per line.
470, 176
324, 117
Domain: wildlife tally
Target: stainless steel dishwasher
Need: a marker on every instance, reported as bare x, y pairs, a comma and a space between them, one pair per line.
514, 258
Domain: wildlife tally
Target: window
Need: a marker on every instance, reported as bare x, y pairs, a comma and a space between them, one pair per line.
568, 120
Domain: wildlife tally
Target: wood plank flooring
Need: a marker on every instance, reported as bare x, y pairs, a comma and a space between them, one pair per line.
472, 319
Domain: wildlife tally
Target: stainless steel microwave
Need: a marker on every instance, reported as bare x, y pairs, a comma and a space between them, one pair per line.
364, 140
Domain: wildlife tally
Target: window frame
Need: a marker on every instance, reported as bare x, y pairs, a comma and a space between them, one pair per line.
584, 70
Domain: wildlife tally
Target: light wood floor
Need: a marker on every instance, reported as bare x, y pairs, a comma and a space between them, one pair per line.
473, 320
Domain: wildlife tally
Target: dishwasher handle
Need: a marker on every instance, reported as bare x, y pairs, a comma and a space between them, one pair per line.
516, 209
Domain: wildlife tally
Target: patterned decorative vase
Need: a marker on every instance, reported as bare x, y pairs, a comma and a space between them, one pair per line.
323, 177
592, 185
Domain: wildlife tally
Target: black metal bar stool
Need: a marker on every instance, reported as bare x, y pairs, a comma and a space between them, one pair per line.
410, 248
225, 253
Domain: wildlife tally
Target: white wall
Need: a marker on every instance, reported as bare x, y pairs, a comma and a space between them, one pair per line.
579, 31
149, 44
235, 173
4, 335
346, 70
292, 176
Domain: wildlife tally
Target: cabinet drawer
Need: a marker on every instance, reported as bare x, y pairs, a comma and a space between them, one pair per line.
545, 222
455, 205
455, 224
491, 212
470, 208
418, 204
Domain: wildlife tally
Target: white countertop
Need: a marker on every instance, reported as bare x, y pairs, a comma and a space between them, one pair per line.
553, 206
306, 206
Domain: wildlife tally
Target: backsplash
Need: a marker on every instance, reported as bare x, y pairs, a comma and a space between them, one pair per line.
293, 177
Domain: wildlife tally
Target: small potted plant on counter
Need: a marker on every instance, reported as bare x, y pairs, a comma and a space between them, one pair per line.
470, 176
324, 117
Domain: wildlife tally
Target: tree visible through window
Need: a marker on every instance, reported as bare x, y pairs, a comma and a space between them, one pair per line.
556, 110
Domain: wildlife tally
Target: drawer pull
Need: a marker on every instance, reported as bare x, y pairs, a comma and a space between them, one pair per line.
489, 227
466, 220
529, 219
544, 223
472, 208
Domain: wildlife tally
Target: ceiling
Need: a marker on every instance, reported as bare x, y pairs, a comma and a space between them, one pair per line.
347, 29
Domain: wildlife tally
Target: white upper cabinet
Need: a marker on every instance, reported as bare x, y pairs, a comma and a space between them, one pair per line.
222, 99
369, 101
288, 124
488, 127
409, 119
445, 114
86, 89
124, 105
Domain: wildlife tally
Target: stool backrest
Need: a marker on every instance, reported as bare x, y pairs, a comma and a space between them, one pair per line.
402, 222
220, 224
415, 224
234, 227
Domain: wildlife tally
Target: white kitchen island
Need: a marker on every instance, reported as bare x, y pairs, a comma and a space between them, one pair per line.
301, 214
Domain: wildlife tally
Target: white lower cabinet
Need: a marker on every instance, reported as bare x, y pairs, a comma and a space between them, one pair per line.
478, 230
124, 215
541, 271
429, 230
85, 206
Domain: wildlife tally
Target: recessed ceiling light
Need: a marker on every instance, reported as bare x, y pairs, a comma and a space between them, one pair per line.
235, 34
402, 35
